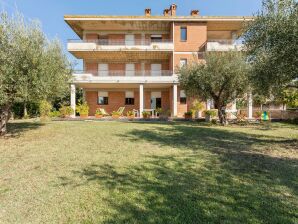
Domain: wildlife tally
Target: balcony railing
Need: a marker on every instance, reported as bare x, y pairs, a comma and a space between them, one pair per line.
128, 73
109, 42
117, 45
224, 45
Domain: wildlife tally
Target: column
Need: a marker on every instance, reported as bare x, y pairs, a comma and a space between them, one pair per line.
141, 93
175, 108
208, 104
234, 106
73, 99
249, 105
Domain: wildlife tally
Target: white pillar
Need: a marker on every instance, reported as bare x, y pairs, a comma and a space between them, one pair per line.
208, 104
249, 104
234, 105
141, 99
175, 108
73, 99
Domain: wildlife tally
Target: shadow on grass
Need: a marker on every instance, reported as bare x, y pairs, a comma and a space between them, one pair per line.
15, 129
218, 177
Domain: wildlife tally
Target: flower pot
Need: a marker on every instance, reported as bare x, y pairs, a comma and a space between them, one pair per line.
83, 115
115, 116
188, 117
98, 115
146, 116
130, 117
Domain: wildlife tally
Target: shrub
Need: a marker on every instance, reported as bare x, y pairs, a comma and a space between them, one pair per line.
158, 111
45, 108
82, 109
211, 113
55, 113
66, 111
213, 121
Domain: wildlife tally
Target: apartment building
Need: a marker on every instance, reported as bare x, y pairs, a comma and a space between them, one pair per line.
132, 61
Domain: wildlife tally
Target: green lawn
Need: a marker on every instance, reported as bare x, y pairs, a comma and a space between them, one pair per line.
116, 172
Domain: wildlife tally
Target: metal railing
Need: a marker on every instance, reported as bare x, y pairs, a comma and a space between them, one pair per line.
109, 42
128, 73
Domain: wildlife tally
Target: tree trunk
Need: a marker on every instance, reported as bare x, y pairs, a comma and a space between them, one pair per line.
221, 112
25, 111
4, 117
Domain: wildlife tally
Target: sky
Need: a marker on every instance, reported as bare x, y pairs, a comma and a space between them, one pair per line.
50, 12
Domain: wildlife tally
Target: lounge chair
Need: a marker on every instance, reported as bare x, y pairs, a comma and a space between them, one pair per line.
136, 112
104, 113
121, 110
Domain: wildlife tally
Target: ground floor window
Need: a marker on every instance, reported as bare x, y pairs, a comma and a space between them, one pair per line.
129, 98
103, 98
182, 97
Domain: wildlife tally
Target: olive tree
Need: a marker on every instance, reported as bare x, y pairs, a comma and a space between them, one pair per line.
271, 43
32, 68
223, 77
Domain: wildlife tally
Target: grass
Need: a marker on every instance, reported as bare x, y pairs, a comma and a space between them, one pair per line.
116, 172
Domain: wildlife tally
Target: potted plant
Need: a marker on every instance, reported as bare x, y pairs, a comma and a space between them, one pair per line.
197, 108
146, 114
83, 110
65, 111
115, 115
98, 113
259, 115
209, 114
188, 115
130, 115
158, 111
164, 115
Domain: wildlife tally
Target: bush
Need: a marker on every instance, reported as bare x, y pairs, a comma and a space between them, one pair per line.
146, 114
32, 109
45, 108
55, 113
213, 121
211, 113
66, 111
82, 109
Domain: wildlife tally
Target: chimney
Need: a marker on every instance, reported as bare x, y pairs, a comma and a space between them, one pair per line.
194, 13
147, 12
173, 8
166, 12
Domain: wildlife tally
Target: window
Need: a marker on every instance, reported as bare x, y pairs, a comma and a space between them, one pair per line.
156, 38
182, 97
183, 33
183, 62
103, 98
129, 98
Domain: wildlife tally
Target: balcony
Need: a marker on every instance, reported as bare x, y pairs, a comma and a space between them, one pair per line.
125, 76
224, 45
119, 45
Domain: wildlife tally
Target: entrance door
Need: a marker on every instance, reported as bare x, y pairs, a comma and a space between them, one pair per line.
155, 69
129, 39
155, 100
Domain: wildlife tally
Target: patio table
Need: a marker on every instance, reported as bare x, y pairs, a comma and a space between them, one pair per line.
152, 111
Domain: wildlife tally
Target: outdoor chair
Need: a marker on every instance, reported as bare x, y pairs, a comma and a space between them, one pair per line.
104, 113
121, 110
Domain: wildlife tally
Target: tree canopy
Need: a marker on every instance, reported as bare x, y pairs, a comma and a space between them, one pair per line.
31, 66
223, 77
271, 42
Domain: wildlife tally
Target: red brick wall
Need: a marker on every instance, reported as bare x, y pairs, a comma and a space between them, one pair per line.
91, 36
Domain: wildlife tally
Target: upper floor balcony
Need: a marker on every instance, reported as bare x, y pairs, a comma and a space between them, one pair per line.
224, 45
120, 45
124, 76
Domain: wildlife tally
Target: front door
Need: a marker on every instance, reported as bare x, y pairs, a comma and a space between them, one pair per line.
155, 100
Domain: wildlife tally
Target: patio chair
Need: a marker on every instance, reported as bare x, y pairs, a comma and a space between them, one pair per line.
104, 113
136, 112
121, 110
